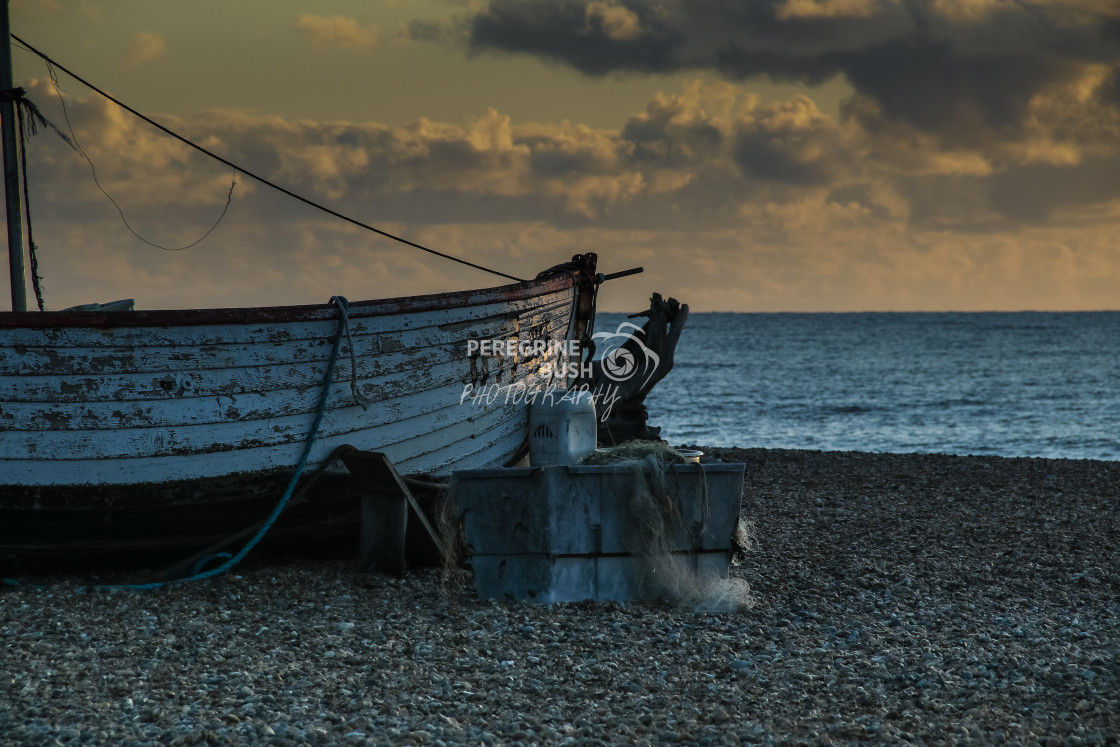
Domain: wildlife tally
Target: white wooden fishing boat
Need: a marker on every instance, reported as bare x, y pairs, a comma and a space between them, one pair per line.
161, 428
158, 429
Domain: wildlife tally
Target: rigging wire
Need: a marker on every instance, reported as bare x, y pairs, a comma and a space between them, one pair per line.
73, 140
257, 177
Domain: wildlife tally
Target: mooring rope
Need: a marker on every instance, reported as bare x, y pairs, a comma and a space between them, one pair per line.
344, 308
257, 177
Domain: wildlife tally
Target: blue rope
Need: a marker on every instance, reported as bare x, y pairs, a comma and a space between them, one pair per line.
343, 329
205, 560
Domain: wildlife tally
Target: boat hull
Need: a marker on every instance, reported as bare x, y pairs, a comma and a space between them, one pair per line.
166, 428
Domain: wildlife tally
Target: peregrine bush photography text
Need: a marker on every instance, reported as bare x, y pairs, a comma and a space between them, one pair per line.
562, 369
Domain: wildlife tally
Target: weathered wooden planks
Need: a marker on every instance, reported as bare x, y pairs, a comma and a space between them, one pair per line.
114, 402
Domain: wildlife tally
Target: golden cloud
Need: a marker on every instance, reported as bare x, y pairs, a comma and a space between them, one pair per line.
830, 8
616, 22
336, 31
145, 47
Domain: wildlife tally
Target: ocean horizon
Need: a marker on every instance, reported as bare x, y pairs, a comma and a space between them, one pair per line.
1012, 384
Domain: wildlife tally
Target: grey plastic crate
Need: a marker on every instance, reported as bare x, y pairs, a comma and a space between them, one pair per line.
565, 533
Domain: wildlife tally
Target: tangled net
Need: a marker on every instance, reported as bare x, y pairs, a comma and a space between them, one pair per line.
655, 508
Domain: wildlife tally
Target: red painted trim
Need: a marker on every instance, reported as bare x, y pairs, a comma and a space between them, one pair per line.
281, 314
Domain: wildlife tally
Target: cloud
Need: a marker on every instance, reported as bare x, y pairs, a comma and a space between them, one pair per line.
1110, 89
336, 31
687, 129
145, 47
788, 9
431, 30
728, 203
616, 22
962, 70
790, 142
1035, 192
964, 98
595, 37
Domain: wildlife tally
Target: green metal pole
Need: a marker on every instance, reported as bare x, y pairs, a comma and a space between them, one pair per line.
11, 168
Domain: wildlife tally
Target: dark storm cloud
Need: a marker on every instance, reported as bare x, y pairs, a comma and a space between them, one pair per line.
1031, 194
942, 67
1110, 90
936, 88
571, 31
767, 160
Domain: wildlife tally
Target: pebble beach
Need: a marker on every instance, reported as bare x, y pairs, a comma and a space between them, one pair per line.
897, 598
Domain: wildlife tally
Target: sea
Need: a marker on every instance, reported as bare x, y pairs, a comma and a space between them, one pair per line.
1024, 384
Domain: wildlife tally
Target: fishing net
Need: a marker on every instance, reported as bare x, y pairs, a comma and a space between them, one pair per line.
658, 530
435, 500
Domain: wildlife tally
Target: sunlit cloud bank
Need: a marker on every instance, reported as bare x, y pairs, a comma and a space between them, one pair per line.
1005, 202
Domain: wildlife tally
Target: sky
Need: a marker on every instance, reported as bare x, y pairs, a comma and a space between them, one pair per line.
752, 155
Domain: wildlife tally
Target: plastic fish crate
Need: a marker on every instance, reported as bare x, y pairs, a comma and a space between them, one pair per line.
566, 533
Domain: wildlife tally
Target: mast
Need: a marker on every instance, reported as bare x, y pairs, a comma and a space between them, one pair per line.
11, 167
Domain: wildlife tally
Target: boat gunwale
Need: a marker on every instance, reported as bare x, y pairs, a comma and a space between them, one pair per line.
284, 314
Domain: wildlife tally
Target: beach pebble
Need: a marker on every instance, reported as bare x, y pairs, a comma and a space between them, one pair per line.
899, 598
